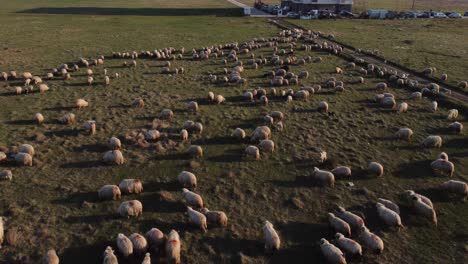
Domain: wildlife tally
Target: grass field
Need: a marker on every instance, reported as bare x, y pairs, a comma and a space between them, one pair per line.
54, 203
416, 44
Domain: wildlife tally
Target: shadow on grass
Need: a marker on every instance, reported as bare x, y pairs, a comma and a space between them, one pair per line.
83, 164
417, 169
78, 198
99, 148
69, 132
86, 254
135, 11
21, 122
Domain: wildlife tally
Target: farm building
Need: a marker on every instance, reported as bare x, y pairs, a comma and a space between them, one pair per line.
307, 5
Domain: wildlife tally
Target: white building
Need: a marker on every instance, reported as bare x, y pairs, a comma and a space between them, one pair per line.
307, 5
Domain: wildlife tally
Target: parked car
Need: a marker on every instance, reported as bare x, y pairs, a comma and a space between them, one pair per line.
326, 14
465, 14
424, 15
345, 13
292, 15
455, 15
439, 15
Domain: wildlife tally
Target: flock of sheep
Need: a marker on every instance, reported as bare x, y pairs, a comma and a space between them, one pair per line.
351, 234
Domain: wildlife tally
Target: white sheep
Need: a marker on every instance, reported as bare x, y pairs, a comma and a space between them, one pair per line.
131, 186
457, 187
252, 151
339, 225
18, 90
376, 169
456, 127
443, 156
211, 96
147, 259
138, 102
371, 240
107, 80
109, 192
195, 151
268, 120
3, 156
197, 128
114, 143
184, 135
114, 157
381, 86
331, 253
109, 257
197, 219
187, 179
219, 99
277, 116
90, 80
238, 133
152, 134
415, 96
6, 175
323, 177
352, 219
434, 106
43, 88
139, 243
452, 114
81, 103
424, 209
192, 107
322, 107
341, 171
267, 145
2, 231
132, 208
432, 142
404, 133
124, 244
192, 199
402, 107
172, 248
215, 217
39, 118
26, 148
272, 239
349, 246
90, 127
389, 102
167, 114
24, 159
51, 257
388, 216
442, 167
410, 194
155, 237
390, 205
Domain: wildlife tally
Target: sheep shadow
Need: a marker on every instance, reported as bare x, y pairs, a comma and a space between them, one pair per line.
83, 164
229, 245
299, 181
155, 203
154, 186
172, 156
98, 148
60, 108
78, 198
216, 141
92, 219
21, 122
69, 132
456, 143
417, 169
91, 254
229, 156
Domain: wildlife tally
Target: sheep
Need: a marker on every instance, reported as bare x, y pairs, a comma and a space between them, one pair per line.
338, 70
349, 246
267, 145
6, 175
90, 80
81, 103
51, 257
195, 151
238, 133
410, 194
109, 257
432, 142
197, 219
138, 102
173, 247
211, 96
272, 240
323, 177
5, 76
375, 168
114, 157
248, 96
390, 205
339, 88
192, 199
152, 134
89, 72
331, 253
109, 192
167, 114
339, 225
381, 86
323, 107
125, 245
187, 179
402, 107
39, 118
2, 232
303, 75
114, 143
90, 127
452, 114
389, 102
155, 237
443, 167
341, 171
43, 88
444, 77
388, 216
27, 82
3, 156
352, 219
147, 259
26, 148
415, 96
215, 217
192, 107
139, 243
456, 127
184, 135
23, 159
264, 100
132, 208
463, 84
18, 90
252, 151
198, 128
443, 156
219, 99
371, 240
404, 133
277, 116
456, 187
424, 209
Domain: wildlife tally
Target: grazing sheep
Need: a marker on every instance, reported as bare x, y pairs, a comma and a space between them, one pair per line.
456, 127
375, 168
197, 219
39, 118
463, 84
155, 237
6, 175
152, 134
131, 186
2, 156
184, 135
2, 231
198, 128
130, 208
147, 259
23, 159
443, 167
18, 90
390, 205
415, 96
43, 88
238, 133
26, 148
219, 99
388, 216
349, 246
301, 94
410, 194
125, 245
424, 209
90, 127
109, 192
252, 151
404, 133
211, 96
187, 179
195, 151
173, 247
272, 240
138, 102
215, 217
339, 225
332, 254
89, 72
114, 143
90, 80
51, 257
381, 86
267, 145
139, 243
443, 156
389, 102
352, 219
192, 107
432, 142
434, 106
192, 199
338, 70
339, 89
323, 177
341, 171
277, 116
371, 240
402, 107
167, 114
456, 187
81, 103
109, 257
264, 100
444, 77
114, 157
248, 96
323, 107
452, 114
